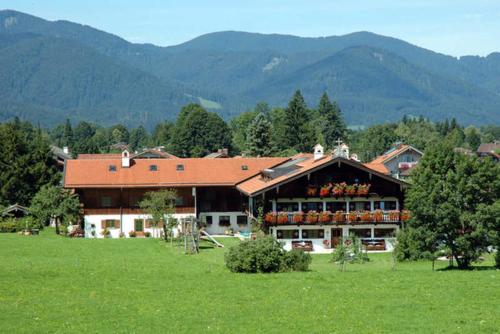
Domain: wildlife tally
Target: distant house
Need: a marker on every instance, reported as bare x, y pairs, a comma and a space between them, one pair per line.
397, 162
60, 155
490, 150
15, 210
221, 153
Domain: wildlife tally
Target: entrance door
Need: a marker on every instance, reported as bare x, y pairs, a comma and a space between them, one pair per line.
139, 225
336, 236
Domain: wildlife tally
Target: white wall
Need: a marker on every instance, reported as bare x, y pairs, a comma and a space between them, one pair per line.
215, 228
127, 224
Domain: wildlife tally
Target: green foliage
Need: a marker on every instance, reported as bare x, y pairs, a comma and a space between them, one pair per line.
264, 255
11, 225
160, 205
259, 137
349, 250
299, 134
454, 203
331, 124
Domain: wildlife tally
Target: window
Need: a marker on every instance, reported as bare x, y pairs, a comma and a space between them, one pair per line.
313, 234
312, 206
359, 206
244, 167
361, 232
112, 168
287, 234
110, 223
105, 201
384, 205
224, 221
179, 201
153, 168
242, 220
384, 232
287, 207
179, 167
336, 206
209, 220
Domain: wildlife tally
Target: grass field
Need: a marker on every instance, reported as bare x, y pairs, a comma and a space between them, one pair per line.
54, 284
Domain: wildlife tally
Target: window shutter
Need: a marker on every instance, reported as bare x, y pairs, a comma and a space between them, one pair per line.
117, 223
147, 223
103, 224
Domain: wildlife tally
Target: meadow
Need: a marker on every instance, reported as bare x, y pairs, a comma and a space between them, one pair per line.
61, 285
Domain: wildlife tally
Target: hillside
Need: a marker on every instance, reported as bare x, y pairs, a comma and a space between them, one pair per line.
53, 69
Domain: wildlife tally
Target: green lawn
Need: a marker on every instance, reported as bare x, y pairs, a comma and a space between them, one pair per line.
55, 284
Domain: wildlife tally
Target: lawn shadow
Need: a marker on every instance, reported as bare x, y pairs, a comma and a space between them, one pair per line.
473, 268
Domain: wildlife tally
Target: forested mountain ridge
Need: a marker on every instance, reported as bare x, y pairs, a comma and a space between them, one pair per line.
374, 78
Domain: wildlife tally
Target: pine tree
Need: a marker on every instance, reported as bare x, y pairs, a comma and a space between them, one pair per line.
333, 127
259, 137
299, 134
67, 139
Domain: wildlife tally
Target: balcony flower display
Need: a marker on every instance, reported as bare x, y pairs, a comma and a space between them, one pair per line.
405, 215
311, 191
282, 218
325, 190
378, 216
298, 218
352, 216
366, 216
350, 190
325, 217
312, 217
394, 216
339, 216
363, 189
270, 217
339, 189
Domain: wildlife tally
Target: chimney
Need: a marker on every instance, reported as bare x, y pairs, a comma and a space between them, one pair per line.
66, 149
125, 159
318, 152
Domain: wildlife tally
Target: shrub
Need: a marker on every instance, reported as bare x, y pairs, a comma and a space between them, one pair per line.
297, 260
122, 235
106, 232
8, 225
497, 258
132, 234
147, 234
264, 255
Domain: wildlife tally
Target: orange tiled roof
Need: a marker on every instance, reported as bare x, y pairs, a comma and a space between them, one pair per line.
88, 173
305, 163
378, 163
100, 156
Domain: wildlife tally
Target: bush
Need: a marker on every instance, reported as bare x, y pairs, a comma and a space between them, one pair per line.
11, 225
147, 234
8, 226
264, 255
132, 234
497, 258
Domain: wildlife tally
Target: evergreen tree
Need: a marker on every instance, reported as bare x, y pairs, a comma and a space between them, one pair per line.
332, 124
259, 137
299, 134
138, 138
67, 139
473, 137
162, 134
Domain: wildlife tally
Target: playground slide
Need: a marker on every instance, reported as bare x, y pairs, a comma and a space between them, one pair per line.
209, 237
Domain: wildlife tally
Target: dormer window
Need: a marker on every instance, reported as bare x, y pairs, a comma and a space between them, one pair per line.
112, 168
244, 167
180, 167
153, 168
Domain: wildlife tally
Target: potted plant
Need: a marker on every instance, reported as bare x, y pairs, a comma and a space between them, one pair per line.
147, 234
352, 216
132, 234
326, 243
366, 216
106, 233
339, 216
325, 217
270, 217
363, 189
350, 190
394, 216
339, 189
312, 217
311, 191
298, 217
122, 235
405, 215
325, 190
282, 218
378, 216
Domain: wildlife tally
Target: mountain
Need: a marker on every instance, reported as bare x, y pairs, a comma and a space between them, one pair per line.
50, 70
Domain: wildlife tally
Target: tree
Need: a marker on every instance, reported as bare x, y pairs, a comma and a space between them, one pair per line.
299, 134
52, 202
373, 141
83, 139
239, 128
138, 138
472, 137
162, 134
332, 125
160, 205
67, 139
452, 201
259, 137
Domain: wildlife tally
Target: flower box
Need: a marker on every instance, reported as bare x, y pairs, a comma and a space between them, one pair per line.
363, 189
378, 216
350, 190
325, 190
366, 216
352, 216
312, 217
270, 217
298, 218
405, 215
339, 189
325, 217
282, 218
394, 216
311, 191
339, 217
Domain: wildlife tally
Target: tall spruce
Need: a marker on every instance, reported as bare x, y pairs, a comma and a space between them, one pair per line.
332, 124
67, 139
259, 136
299, 134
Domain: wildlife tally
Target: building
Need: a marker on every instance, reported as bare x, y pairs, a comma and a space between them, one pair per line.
490, 150
310, 199
397, 162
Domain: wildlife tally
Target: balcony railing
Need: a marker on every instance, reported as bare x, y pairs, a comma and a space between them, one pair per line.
339, 217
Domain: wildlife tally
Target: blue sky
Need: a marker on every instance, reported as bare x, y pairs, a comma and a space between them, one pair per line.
455, 27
